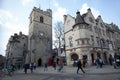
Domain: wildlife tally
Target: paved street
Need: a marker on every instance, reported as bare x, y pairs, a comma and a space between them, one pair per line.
68, 73
63, 77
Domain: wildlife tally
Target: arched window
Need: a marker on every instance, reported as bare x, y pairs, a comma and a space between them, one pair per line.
74, 56
41, 19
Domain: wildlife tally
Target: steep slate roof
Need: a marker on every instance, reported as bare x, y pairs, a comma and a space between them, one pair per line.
79, 19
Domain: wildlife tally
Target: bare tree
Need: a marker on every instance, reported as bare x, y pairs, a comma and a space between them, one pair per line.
60, 41
59, 35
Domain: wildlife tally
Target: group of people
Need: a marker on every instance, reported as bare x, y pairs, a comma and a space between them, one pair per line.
80, 65
10, 69
60, 64
30, 66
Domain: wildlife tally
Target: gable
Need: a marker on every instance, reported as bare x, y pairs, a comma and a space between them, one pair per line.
68, 23
88, 17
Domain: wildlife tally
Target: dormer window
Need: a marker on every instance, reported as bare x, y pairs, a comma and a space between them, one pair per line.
101, 24
41, 19
91, 20
90, 28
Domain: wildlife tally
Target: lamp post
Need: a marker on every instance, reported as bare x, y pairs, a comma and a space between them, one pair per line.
30, 48
101, 42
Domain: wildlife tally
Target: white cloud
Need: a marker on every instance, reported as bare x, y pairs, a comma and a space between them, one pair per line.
16, 28
10, 24
5, 16
95, 12
56, 4
2, 50
58, 15
84, 8
26, 2
7, 13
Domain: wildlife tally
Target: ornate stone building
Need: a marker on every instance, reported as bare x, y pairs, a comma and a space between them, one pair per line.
2, 58
88, 38
17, 49
40, 36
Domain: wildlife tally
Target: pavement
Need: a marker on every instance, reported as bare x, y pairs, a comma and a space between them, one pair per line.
67, 73
91, 70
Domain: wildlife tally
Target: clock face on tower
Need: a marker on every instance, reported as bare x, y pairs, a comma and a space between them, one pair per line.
41, 34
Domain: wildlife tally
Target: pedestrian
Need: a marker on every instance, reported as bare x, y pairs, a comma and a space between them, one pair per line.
9, 69
54, 62
31, 67
111, 60
13, 68
60, 65
97, 62
25, 68
18, 66
34, 65
46, 66
84, 61
79, 65
101, 62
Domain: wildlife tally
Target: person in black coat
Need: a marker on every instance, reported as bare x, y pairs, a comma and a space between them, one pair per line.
25, 68
79, 65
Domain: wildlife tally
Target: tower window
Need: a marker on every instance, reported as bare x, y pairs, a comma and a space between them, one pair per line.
41, 19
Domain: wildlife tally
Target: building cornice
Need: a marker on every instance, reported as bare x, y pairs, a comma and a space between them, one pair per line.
83, 23
68, 31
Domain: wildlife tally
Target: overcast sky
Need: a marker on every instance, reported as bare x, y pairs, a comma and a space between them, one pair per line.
14, 14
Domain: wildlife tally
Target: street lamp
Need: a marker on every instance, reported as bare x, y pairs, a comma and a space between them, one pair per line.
101, 44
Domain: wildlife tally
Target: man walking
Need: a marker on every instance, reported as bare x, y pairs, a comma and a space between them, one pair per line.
31, 67
79, 65
97, 62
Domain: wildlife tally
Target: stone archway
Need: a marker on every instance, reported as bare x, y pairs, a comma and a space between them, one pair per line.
74, 57
39, 62
99, 54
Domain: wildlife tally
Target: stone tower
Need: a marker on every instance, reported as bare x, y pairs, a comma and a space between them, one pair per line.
40, 36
